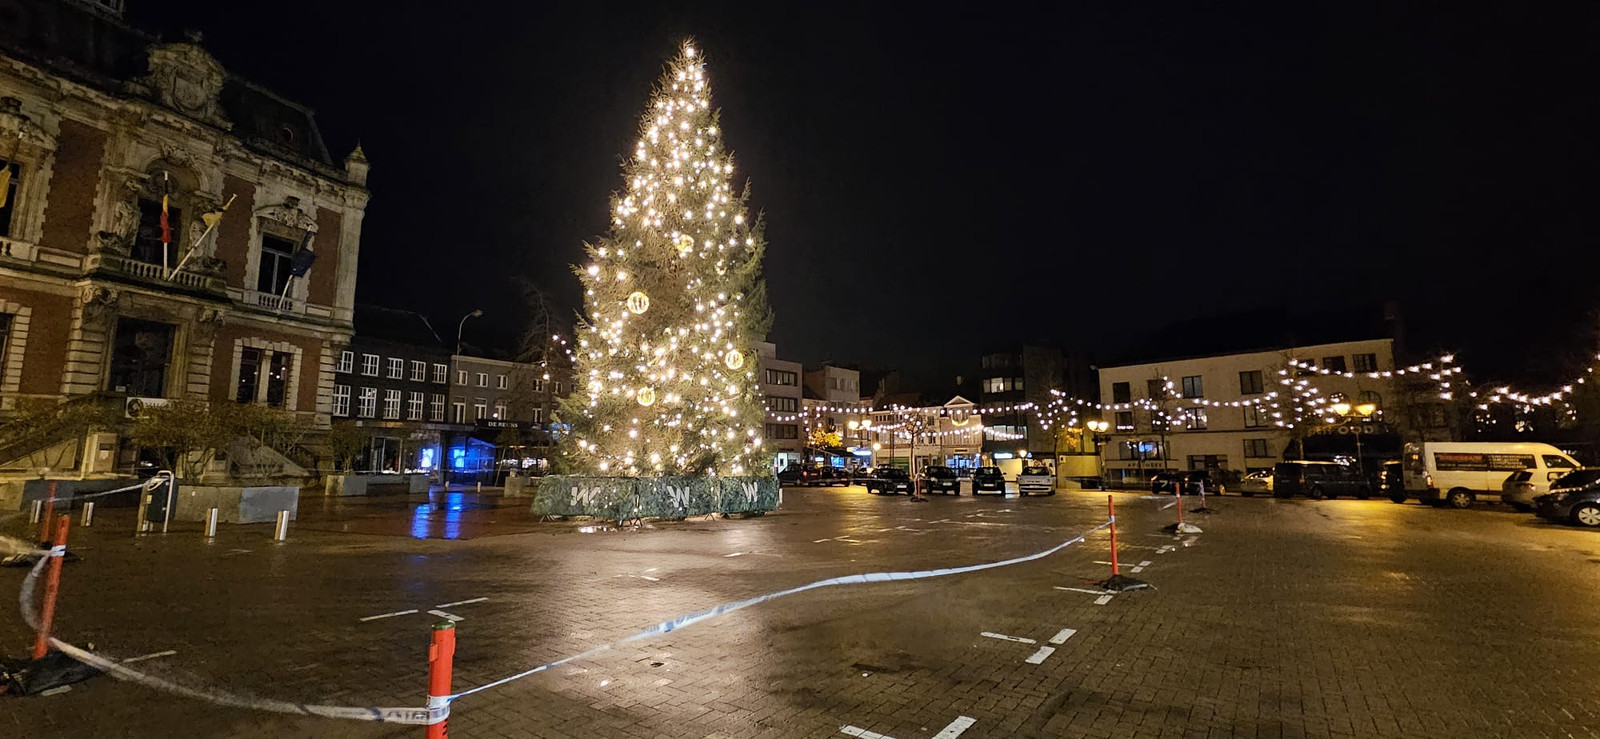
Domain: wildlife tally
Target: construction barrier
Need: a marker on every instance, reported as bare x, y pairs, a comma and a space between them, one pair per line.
625, 498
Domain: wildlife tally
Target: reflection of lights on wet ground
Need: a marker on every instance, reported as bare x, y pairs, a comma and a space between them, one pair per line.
422, 517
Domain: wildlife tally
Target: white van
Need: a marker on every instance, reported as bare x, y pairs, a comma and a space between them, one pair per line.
1460, 472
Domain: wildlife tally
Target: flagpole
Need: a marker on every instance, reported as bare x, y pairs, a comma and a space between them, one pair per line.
166, 230
196, 245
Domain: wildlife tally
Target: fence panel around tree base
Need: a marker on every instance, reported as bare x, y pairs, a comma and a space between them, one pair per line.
653, 497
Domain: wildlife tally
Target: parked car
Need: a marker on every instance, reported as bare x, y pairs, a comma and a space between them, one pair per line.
1318, 480
1036, 480
988, 479
889, 481
811, 476
1168, 482
1259, 481
1459, 473
1574, 498
1392, 481
938, 478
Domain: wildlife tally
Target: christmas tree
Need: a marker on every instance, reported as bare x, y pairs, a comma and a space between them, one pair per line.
665, 378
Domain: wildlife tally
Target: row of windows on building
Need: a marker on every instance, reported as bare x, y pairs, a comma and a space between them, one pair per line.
782, 377
1251, 382
1253, 449
396, 367
1197, 419
781, 431
1002, 384
366, 402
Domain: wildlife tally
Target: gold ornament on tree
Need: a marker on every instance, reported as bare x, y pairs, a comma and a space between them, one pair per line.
638, 303
734, 360
646, 397
685, 244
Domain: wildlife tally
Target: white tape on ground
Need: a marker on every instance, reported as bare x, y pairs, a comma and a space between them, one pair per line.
1038, 657
1003, 637
1062, 635
849, 730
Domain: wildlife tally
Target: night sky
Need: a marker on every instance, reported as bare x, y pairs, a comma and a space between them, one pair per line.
939, 183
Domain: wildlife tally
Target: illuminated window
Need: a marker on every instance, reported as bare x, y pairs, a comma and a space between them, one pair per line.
341, 400
778, 377
347, 362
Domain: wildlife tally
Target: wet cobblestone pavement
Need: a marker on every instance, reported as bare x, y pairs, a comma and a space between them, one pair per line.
1285, 618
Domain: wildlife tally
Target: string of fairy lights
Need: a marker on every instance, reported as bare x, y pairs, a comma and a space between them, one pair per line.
1297, 401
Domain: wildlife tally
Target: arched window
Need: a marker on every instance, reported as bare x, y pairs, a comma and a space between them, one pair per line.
177, 184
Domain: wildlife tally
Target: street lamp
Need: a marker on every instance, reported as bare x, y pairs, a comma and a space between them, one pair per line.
1098, 429
1358, 412
476, 313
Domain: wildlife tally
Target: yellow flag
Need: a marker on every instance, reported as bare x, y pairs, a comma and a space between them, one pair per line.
5, 184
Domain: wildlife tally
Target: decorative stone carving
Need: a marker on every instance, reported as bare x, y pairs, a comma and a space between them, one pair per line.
205, 264
15, 125
124, 225
99, 304
185, 78
289, 214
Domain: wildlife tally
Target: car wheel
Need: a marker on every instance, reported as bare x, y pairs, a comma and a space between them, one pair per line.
1459, 498
1397, 497
1317, 493
1587, 514
1363, 493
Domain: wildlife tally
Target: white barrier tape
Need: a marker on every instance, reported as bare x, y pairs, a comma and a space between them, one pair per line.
407, 715
59, 550
726, 608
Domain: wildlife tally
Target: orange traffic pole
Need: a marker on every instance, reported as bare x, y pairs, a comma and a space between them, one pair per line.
1179, 488
441, 656
49, 513
52, 587
1111, 504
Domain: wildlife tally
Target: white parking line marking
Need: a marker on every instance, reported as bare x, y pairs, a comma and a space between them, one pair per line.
451, 617
462, 602
955, 728
1138, 569
863, 733
154, 655
1038, 657
1081, 590
387, 615
1003, 637
1062, 636
1102, 600
1145, 563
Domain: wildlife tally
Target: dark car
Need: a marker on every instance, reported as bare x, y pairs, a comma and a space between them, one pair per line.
1167, 482
811, 476
1318, 480
988, 479
889, 481
1575, 498
940, 479
1391, 481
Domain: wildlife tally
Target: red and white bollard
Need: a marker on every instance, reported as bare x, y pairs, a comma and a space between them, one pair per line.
1180, 527
52, 586
441, 657
1117, 582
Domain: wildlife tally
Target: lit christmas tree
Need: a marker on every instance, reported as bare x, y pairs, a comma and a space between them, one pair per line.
665, 380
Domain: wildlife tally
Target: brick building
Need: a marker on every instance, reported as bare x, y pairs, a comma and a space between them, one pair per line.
97, 122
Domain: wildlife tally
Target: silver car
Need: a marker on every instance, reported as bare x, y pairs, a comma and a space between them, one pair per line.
1036, 480
1520, 489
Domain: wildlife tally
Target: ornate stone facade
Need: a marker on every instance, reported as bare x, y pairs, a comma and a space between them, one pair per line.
96, 130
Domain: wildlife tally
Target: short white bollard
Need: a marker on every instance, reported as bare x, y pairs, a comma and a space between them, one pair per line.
38, 511
88, 514
281, 533
480, 486
211, 524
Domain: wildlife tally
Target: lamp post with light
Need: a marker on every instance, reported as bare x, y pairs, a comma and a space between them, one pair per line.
1098, 429
1358, 413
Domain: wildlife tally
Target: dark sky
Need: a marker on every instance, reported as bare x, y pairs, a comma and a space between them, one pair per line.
937, 183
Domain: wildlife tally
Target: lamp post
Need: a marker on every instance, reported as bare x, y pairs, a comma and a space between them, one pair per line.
1358, 412
1100, 437
444, 444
